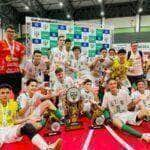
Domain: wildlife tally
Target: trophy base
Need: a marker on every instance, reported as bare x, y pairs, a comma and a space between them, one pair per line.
74, 126
147, 119
51, 133
96, 126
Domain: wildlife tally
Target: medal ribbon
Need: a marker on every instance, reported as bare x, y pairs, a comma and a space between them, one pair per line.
11, 48
4, 113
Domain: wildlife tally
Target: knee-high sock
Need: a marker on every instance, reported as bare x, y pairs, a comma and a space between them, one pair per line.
38, 141
58, 114
131, 131
106, 114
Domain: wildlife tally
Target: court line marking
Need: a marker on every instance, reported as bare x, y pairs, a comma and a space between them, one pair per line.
88, 139
119, 139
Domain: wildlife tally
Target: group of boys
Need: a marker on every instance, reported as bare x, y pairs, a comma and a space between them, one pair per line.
106, 80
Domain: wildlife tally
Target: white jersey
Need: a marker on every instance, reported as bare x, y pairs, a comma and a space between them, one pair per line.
9, 135
116, 103
136, 66
57, 59
80, 64
25, 98
88, 99
68, 82
145, 102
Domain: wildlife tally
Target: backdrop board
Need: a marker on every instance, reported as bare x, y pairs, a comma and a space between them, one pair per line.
42, 34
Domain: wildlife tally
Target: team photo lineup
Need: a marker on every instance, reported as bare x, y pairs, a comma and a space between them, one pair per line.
109, 90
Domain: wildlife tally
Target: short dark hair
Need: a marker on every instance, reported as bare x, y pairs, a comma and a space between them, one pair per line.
110, 79
112, 49
67, 40
122, 51
37, 51
102, 49
9, 26
133, 42
5, 85
61, 36
140, 80
76, 47
31, 80
58, 70
86, 81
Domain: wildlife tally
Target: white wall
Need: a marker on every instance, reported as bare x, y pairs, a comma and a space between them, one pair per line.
123, 22
145, 20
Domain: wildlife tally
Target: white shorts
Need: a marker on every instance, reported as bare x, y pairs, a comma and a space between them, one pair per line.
9, 134
128, 117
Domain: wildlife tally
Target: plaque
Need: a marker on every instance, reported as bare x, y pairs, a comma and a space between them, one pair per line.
73, 109
97, 117
52, 124
55, 128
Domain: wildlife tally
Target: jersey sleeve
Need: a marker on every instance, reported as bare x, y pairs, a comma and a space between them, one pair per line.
128, 98
105, 101
21, 101
22, 50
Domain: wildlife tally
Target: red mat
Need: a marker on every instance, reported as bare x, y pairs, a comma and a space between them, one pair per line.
103, 140
136, 143
74, 140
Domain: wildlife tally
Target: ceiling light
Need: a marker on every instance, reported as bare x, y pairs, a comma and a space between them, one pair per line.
140, 10
100, 1
26, 8
68, 16
102, 13
61, 4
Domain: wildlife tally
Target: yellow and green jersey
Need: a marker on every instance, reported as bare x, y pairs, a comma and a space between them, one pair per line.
119, 70
8, 113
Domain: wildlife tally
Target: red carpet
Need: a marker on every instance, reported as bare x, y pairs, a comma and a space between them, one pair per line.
103, 140
74, 140
136, 143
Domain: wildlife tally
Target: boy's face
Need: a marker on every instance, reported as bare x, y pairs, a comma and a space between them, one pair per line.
61, 41
112, 53
4, 94
37, 57
104, 53
60, 75
141, 86
76, 52
122, 56
68, 45
10, 33
88, 86
112, 85
134, 47
32, 87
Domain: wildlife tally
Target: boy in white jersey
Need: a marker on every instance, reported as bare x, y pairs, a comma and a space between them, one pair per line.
142, 96
135, 72
12, 129
119, 103
88, 96
61, 85
31, 102
78, 64
57, 57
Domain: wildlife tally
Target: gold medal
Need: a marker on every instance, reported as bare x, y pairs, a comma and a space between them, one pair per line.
8, 58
